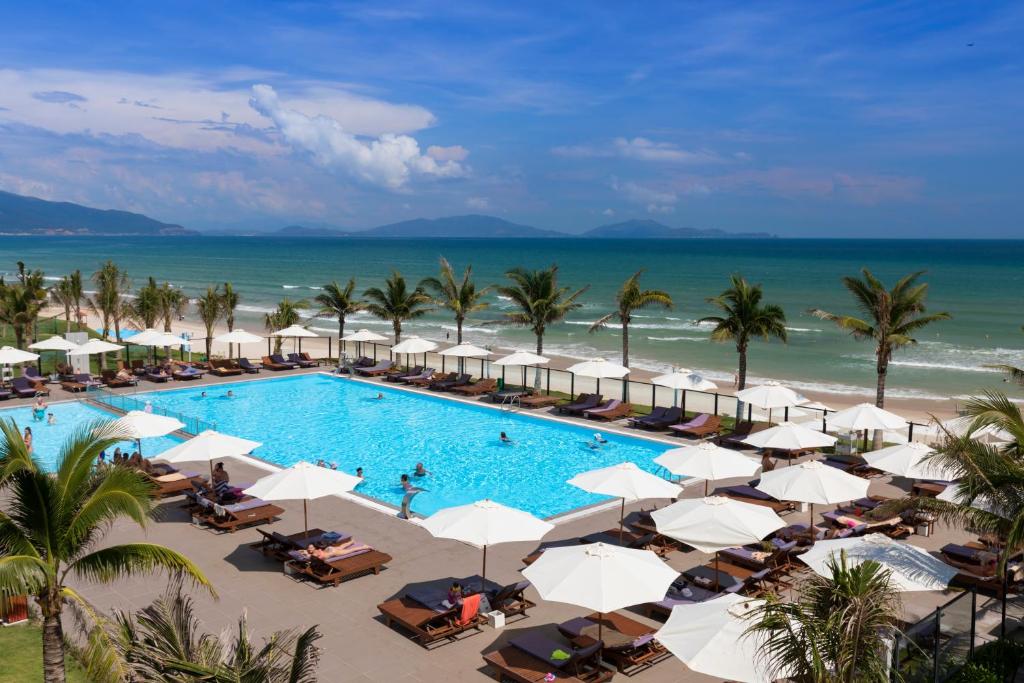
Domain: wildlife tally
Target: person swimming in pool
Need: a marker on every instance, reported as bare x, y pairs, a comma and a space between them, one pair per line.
230, 394
203, 395
51, 419
421, 471
504, 439
597, 441
359, 473
380, 397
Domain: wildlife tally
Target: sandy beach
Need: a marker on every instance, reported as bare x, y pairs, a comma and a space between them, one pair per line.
918, 410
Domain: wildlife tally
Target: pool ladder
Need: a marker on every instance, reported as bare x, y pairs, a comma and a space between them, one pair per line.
511, 404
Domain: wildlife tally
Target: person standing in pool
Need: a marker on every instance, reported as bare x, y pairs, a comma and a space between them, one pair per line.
359, 472
505, 440
27, 438
38, 409
421, 471
410, 493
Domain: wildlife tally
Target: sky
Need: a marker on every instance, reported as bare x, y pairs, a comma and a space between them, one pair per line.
803, 119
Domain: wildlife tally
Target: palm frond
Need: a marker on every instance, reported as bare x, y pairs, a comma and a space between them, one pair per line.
114, 562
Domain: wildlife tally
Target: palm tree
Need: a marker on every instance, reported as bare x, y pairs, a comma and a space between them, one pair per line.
1014, 374
210, 308
76, 293
20, 305
460, 296
164, 642
540, 300
173, 304
79, 505
145, 310
337, 301
229, 302
285, 315
744, 318
62, 295
892, 316
109, 302
395, 303
629, 299
837, 630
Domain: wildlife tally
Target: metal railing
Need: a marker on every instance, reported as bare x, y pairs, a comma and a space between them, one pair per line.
126, 402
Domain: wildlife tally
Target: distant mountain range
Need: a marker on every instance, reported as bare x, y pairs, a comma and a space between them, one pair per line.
20, 215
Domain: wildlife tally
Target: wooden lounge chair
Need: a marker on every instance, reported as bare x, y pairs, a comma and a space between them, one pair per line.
661, 420
251, 368
478, 388
111, 379
461, 379
224, 368
538, 401
425, 379
173, 484
697, 428
188, 373
527, 659
657, 412
582, 402
681, 592
335, 571
613, 410
304, 355
271, 365
628, 643
429, 626
740, 431
378, 369
511, 599
748, 494
23, 387
245, 513
630, 539
401, 375
300, 361
156, 375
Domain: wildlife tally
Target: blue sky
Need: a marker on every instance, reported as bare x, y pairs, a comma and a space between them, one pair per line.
802, 119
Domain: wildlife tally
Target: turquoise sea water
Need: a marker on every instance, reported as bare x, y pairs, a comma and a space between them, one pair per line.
979, 282
316, 416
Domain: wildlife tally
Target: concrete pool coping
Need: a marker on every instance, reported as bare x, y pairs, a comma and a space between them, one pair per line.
373, 503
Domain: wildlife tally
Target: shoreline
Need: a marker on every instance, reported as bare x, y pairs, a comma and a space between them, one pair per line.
916, 409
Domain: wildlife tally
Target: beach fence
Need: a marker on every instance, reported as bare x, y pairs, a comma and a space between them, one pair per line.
640, 393
124, 403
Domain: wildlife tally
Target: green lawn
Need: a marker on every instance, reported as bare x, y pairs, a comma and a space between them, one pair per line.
23, 656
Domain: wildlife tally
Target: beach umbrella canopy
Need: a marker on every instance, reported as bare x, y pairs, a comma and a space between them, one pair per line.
714, 523
770, 395
708, 462
600, 577
818, 405
789, 436
485, 523
960, 426
625, 481
684, 379
238, 336
364, 336
711, 638
10, 355
94, 346
813, 482
913, 569
909, 460
865, 416
951, 494
599, 368
54, 343
142, 338
165, 339
138, 424
294, 331
303, 481
521, 358
414, 345
207, 446
466, 350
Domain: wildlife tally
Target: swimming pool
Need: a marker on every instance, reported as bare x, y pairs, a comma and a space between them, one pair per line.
48, 440
310, 417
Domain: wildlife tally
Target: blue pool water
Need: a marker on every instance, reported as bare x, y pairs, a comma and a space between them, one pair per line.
48, 440
318, 416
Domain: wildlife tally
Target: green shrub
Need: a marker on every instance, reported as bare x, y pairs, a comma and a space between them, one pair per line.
975, 673
1002, 657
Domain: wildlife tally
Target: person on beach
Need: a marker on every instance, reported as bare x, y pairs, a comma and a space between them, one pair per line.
767, 464
504, 439
38, 409
27, 438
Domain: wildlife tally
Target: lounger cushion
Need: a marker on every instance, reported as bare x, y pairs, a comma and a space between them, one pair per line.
544, 647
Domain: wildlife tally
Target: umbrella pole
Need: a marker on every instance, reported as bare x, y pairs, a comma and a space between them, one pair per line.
483, 574
305, 517
716, 571
622, 519
810, 522
600, 630
705, 488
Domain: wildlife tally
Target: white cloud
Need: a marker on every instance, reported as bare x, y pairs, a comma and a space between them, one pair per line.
639, 149
478, 203
388, 160
453, 153
654, 200
608, 212
185, 110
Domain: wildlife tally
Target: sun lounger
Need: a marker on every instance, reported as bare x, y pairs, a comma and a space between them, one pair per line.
740, 431
224, 368
156, 375
538, 401
278, 545
693, 423
281, 360
231, 517
249, 367
657, 412
664, 420
748, 494
528, 658
426, 376
378, 369
426, 379
401, 375
477, 388
613, 410
300, 361
428, 626
358, 562
111, 379
460, 380
629, 539
683, 592
892, 527
269, 364
710, 426
188, 373
582, 402
4, 395
173, 484
628, 643
23, 387
511, 599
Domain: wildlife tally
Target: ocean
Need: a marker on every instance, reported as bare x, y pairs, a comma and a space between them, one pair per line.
978, 282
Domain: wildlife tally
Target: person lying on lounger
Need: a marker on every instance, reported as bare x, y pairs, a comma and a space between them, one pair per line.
334, 550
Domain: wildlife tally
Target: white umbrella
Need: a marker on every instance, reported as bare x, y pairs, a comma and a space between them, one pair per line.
599, 368
466, 350
238, 336
684, 379
790, 436
523, 358
625, 481
303, 481
139, 425
960, 426
913, 569
413, 345
600, 577
54, 343
909, 460
708, 462
813, 482
951, 494
167, 339
711, 638
769, 396
94, 346
208, 446
714, 523
294, 331
10, 355
364, 336
865, 416
485, 523
143, 337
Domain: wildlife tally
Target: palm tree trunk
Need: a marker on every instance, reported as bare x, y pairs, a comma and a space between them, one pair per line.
53, 645
878, 437
741, 382
397, 325
209, 341
625, 359
540, 352
458, 340
341, 333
